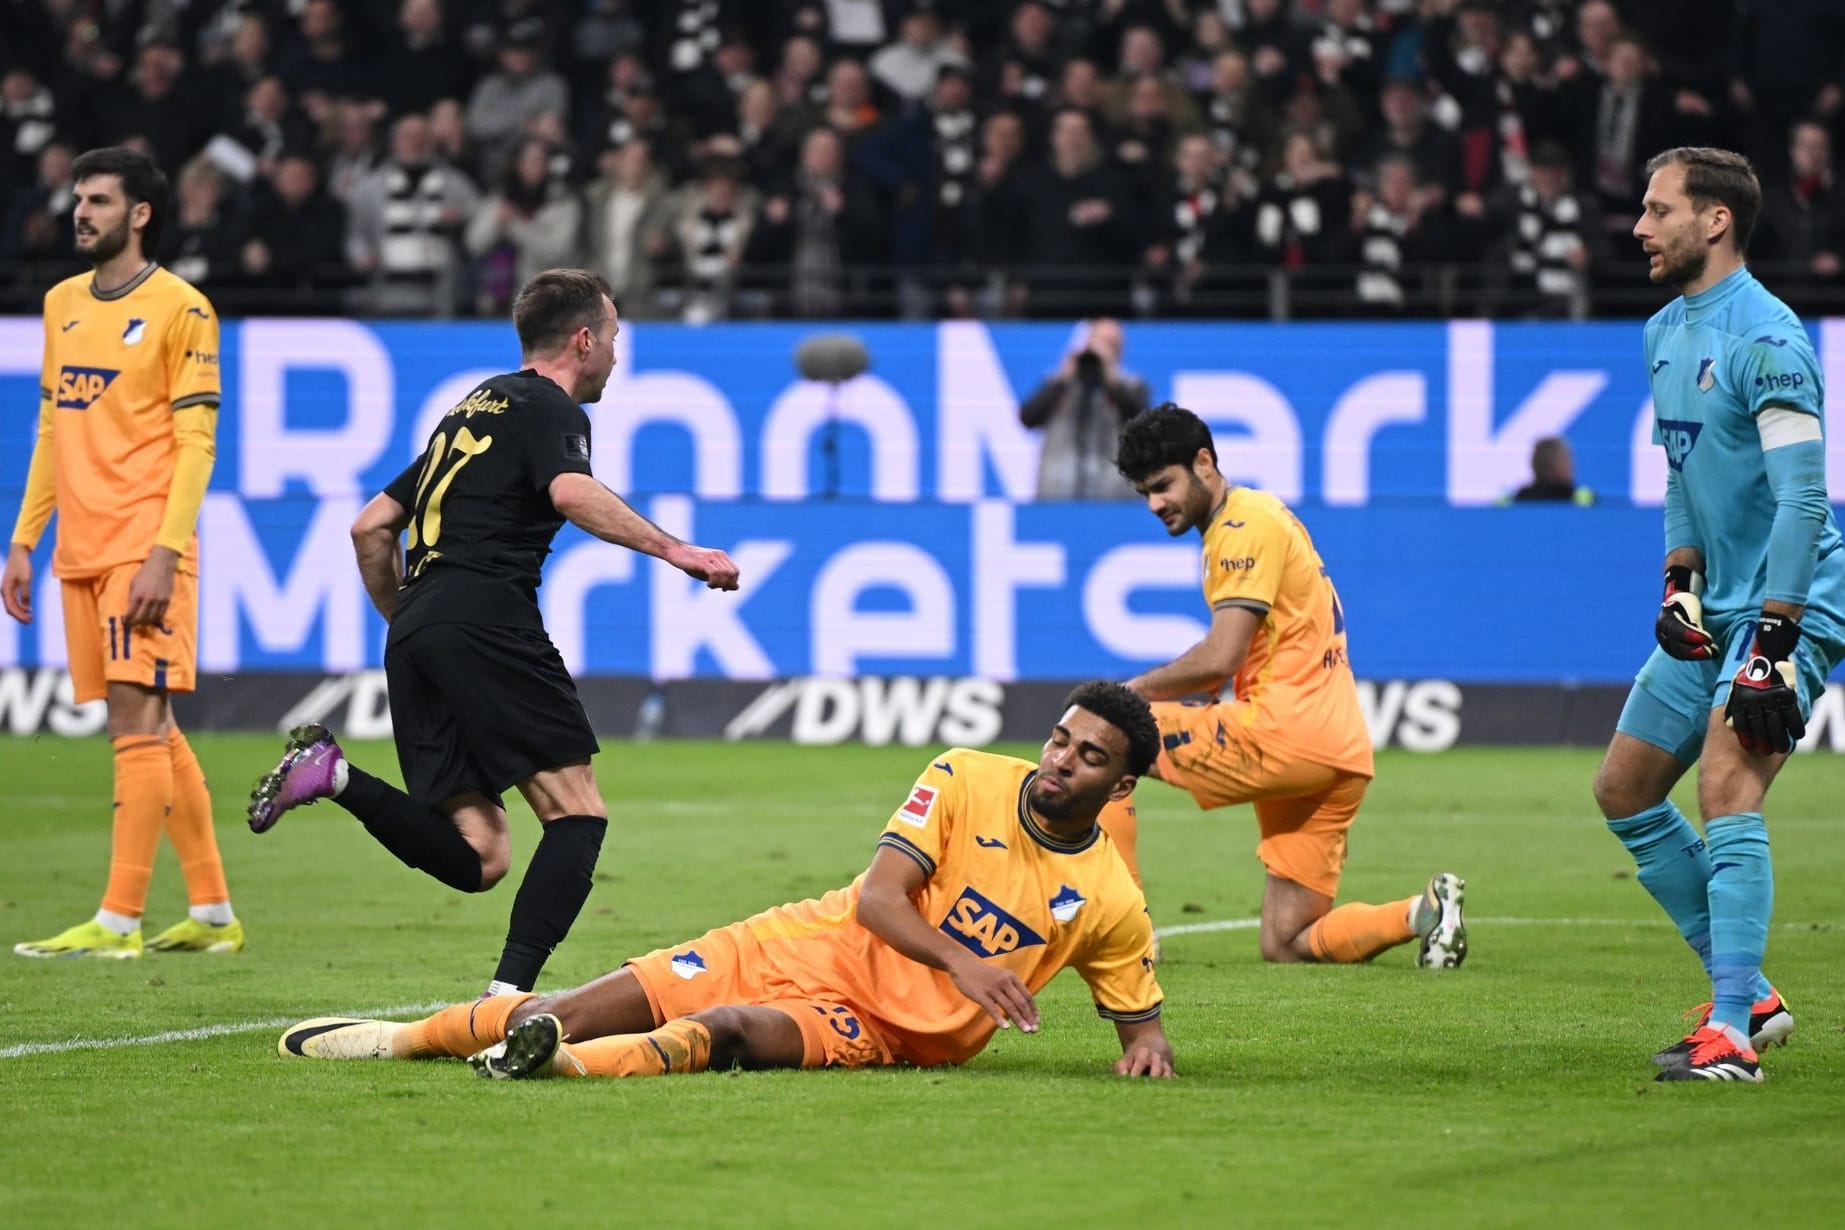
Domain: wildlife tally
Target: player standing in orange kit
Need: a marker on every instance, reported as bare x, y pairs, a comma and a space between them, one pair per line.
1293, 741
128, 415
990, 877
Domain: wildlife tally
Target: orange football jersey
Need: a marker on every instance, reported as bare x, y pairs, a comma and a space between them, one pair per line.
117, 366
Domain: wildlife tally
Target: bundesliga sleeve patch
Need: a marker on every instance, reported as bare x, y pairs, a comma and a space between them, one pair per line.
577, 446
915, 811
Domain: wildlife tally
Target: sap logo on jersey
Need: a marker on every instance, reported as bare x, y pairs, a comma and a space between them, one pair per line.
79, 387
984, 929
1680, 438
688, 964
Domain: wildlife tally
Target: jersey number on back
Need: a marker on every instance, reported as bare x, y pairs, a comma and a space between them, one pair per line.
444, 462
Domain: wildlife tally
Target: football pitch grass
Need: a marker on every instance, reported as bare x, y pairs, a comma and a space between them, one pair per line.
1515, 1091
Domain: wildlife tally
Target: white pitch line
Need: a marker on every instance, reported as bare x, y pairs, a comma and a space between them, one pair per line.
1250, 924
21, 1050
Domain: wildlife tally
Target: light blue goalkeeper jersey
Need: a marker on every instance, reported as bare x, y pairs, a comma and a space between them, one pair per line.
1716, 360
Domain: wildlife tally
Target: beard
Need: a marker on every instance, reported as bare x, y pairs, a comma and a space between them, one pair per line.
1055, 806
108, 245
1679, 268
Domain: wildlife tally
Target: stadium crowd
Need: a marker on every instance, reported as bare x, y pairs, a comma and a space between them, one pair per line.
817, 158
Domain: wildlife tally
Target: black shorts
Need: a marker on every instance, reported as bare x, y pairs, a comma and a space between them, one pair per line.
480, 709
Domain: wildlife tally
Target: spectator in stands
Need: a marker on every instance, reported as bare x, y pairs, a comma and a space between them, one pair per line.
1081, 408
530, 223
507, 100
607, 28
28, 122
154, 106
297, 231
1195, 64
1197, 225
1142, 148
763, 133
1079, 86
1302, 217
1556, 239
39, 228
607, 125
849, 110
1396, 236
1803, 217
820, 223
1789, 58
1553, 476
713, 224
1238, 120
265, 127
403, 222
319, 60
1277, 45
908, 67
1347, 50
448, 135
709, 96
237, 63
628, 212
204, 240
797, 80
425, 65
1023, 72
1078, 228
999, 204
1407, 131
1143, 59
354, 156
1624, 122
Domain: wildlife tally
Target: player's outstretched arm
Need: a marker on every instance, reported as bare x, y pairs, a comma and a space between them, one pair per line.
594, 509
1205, 666
374, 542
1144, 1049
887, 909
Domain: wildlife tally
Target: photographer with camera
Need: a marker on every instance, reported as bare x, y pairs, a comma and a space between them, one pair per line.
1081, 409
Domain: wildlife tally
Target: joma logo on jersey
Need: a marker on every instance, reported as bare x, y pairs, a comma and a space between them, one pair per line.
984, 929
79, 387
1679, 438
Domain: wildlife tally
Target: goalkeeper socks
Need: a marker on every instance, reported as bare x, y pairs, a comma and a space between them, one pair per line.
419, 835
1742, 897
674, 1049
461, 1030
1674, 868
1356, 932
555, 886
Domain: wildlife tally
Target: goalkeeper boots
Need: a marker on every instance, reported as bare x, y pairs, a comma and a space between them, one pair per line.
1770, 1024
342, 1037
305, 773
86, 939
1714, 1057
191, 935
1441, 924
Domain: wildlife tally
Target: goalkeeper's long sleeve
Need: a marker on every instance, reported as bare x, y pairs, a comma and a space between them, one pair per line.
1797, 476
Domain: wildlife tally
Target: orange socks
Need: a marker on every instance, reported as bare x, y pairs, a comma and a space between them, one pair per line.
143, 795
674, 1049
463, 1029
189, 826
1359, 932
1122, 824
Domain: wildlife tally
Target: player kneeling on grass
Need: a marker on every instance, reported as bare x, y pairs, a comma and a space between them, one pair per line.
991, 877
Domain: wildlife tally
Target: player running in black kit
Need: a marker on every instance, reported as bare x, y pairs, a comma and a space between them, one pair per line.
480, 699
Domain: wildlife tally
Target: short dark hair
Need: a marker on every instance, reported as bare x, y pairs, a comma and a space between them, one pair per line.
554, 305
1718, 176
1127, 712
1167, 435
142, 182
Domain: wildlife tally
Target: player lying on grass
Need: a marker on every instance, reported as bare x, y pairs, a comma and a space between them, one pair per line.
991, 877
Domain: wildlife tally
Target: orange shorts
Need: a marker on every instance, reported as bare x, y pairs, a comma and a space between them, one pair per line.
728, 967
104, 650
1302, 808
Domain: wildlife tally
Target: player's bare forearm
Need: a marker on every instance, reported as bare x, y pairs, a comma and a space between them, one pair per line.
1788, 610
374, 544
594, 509
1144, 1049
1193, 672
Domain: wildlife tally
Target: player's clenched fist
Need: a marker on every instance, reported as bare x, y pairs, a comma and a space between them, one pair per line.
707, 564
1680, 626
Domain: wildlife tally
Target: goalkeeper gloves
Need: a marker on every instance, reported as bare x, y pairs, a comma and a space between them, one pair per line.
1764, 706
1680, 626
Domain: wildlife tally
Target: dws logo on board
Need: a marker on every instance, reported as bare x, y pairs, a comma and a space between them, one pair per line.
904, 709
35, 701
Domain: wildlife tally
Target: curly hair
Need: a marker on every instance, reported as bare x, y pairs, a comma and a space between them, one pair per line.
1167, 435
1126, 711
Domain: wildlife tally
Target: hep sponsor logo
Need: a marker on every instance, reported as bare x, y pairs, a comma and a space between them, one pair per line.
1238, 564
1780, 380
984, 929
79, 387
